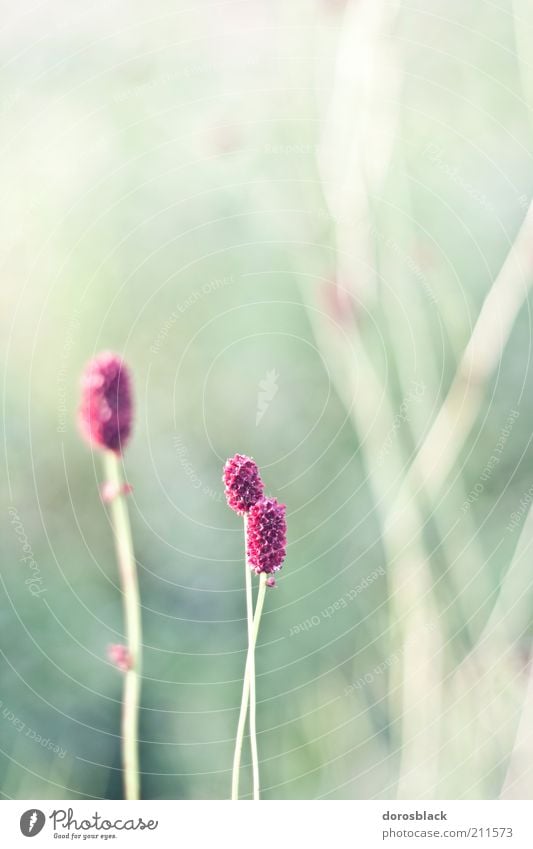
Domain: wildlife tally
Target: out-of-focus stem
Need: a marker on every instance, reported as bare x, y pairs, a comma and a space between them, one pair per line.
250, 666
411, 585
518, 782
445, 439
132, 614
356, 144
523, 21
461, 406
415, 687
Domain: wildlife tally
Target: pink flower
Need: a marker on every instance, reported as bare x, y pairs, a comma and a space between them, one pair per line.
106, 408
267, 536
119, 656
243, 484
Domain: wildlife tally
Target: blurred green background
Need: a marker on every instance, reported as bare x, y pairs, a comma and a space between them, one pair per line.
236, 196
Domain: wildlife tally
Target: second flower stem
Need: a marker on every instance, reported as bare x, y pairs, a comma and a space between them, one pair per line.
132, 614
250, 617
249, 673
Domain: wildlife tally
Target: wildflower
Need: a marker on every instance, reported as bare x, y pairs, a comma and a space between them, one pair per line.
267, 536
106, 409
243, 484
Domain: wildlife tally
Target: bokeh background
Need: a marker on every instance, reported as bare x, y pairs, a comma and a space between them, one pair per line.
287, 217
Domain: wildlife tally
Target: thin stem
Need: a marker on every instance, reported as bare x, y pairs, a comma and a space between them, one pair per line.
250, 617
132, 614
250, 666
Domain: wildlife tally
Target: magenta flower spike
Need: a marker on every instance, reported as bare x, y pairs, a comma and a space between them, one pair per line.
106, 408
267, 536
243, 484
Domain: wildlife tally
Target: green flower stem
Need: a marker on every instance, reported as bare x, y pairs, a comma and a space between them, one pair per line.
132, 614
246, 689
250, 617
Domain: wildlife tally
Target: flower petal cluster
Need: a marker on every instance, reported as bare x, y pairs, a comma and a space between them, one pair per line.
243, 484
267, 536
106, 408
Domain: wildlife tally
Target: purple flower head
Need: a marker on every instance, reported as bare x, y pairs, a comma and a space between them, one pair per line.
243, 484
106, 408
267, 536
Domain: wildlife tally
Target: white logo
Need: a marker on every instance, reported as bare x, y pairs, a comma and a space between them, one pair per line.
268, 389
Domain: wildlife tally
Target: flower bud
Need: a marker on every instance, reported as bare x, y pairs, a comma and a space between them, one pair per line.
243, 484
119, 656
